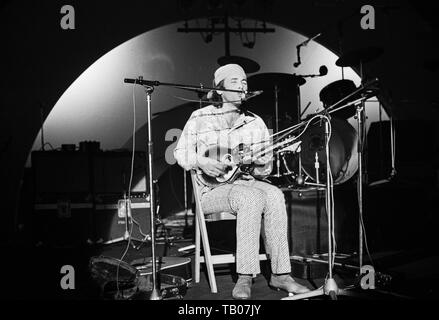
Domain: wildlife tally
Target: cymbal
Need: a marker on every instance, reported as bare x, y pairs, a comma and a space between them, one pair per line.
286, 97
268, 81
334, 92
355, 57
247, 64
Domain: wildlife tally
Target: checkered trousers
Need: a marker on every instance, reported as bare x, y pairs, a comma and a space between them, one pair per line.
251, 201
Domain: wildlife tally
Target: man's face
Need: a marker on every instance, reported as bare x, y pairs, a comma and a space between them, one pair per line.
234, 82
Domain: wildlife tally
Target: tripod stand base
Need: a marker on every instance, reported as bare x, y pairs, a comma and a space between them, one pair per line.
155, 295
314, 293
330, 289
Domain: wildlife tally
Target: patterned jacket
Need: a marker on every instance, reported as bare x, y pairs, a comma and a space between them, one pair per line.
208, 127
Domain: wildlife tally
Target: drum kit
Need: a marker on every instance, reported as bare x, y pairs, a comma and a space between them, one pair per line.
292, 170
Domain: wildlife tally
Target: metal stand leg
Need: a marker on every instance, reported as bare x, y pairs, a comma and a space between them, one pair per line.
330, 287
360, 182
155, 290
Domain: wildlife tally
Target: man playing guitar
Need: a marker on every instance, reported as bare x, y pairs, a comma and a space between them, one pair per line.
224, 126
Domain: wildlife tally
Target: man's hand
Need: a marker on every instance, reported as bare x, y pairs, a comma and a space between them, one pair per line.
259, 162
211, 167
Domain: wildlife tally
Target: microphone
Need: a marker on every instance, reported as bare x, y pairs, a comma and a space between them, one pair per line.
252, 94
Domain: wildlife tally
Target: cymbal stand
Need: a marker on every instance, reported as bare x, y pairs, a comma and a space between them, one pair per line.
299, 116
330, 287
360, 130
276, 110
360, 124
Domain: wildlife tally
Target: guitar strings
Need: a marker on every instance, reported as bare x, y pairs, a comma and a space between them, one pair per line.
288, 131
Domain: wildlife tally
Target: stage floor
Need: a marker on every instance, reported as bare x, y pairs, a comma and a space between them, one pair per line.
35, 271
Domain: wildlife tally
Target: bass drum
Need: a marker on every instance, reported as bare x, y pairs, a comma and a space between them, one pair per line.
343, 156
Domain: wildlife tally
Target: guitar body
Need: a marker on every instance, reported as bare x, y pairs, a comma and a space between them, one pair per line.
240, 160
230, 157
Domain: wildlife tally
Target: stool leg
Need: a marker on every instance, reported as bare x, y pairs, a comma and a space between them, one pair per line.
197, 249
207, 254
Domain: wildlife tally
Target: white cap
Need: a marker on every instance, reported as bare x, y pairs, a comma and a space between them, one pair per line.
227, 70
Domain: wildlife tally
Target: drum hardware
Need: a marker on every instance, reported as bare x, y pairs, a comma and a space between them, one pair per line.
317, 166
366, 92
304, 110
336, 91
304, 44
330, 286
323, 70
277, 88
360, 57
393, 172
280, 84
343, 143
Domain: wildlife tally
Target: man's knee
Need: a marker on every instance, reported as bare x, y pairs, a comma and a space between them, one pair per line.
274, 194
250, 198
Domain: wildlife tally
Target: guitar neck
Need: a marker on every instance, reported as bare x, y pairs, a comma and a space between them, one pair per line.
269, 148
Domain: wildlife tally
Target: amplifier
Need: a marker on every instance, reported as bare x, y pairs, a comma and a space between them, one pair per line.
307, 222
111, 220
111, 172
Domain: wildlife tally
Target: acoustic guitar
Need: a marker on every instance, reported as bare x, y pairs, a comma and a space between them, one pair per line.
241, 160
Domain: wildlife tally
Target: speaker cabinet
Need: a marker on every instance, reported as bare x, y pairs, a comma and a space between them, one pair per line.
111, 172
111, 220
307, 222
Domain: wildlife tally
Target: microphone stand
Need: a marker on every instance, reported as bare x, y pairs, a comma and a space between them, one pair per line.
149, 89
200, 88
304, 44
156, 287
